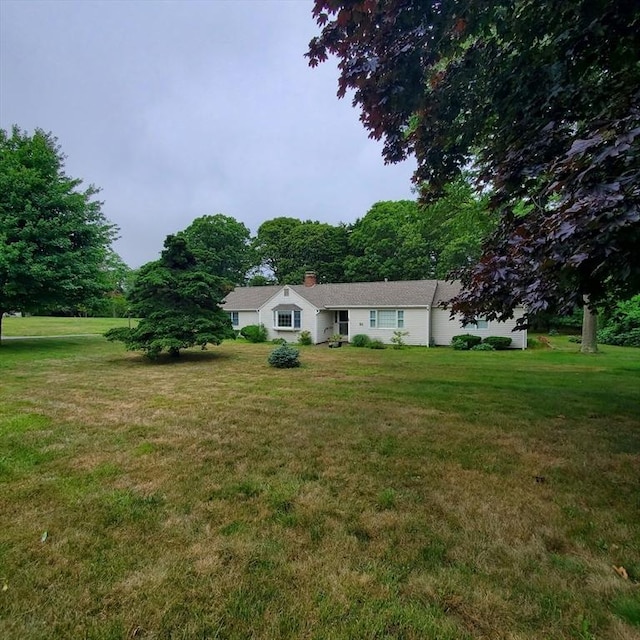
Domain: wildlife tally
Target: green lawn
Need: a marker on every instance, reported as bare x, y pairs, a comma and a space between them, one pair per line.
48, 326
415, 493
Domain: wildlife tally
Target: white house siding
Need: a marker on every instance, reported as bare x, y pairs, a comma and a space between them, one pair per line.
415, 322
246, 318
443, 329
325, 326
307, 319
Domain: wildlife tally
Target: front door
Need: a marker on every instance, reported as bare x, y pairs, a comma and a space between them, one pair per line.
343, 323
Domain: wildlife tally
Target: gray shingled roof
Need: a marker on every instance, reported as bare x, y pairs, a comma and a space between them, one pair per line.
249, 298
407, 293
446, 291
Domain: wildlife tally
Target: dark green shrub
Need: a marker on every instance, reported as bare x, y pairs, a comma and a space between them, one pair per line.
622, 327
485, 346
377, 344
361, 340
471, 341
460, 345
498, 342
623, 339
284, 357
254, 333
305, 338
278, 341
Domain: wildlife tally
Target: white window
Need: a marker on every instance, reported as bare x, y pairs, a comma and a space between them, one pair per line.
480, 323
386, 319
287, 319
235, 318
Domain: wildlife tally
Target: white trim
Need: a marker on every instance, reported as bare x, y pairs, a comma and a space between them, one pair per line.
428, 327
277, 313
374, 316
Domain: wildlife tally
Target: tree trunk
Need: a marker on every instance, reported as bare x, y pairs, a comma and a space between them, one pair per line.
589, 327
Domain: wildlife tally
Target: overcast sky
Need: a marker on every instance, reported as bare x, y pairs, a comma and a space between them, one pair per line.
181, 109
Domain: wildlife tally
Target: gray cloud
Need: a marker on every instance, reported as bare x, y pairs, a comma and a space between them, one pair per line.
179, 109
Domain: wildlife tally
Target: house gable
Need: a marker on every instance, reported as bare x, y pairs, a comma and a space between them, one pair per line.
286, 313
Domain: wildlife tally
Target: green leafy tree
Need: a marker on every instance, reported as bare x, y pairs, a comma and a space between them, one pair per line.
389, 242
272, 246
459, 221
178, 301
117, 277
54, 238
222, 246
544, 96
319, 247
288, 247
260, 280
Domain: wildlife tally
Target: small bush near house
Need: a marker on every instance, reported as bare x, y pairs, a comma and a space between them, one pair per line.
485, 346
398, 339
468, 339
377, 344
361, 340
498, 342
254, 333
305, 338
278, 341
284, 357
460, 345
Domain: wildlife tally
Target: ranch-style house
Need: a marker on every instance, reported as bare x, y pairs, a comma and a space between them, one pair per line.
376, 309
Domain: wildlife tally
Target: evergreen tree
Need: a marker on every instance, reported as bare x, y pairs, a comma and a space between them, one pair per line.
178, 301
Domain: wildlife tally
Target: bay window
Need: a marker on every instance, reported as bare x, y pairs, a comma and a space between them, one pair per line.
287, 317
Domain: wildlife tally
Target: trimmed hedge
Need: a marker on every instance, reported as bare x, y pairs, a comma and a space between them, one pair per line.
467, 339
499, 343
485, 346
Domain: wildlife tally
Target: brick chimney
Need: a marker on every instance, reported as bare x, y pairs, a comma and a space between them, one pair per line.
310, 279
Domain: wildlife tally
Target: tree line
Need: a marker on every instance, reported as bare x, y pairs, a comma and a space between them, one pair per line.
56, 254
395, 240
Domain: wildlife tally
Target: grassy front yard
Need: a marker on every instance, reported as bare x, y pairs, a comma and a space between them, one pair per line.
369, 494
49, 326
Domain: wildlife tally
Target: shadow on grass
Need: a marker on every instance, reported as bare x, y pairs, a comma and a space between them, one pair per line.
165, 360
44, 347
13, 351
